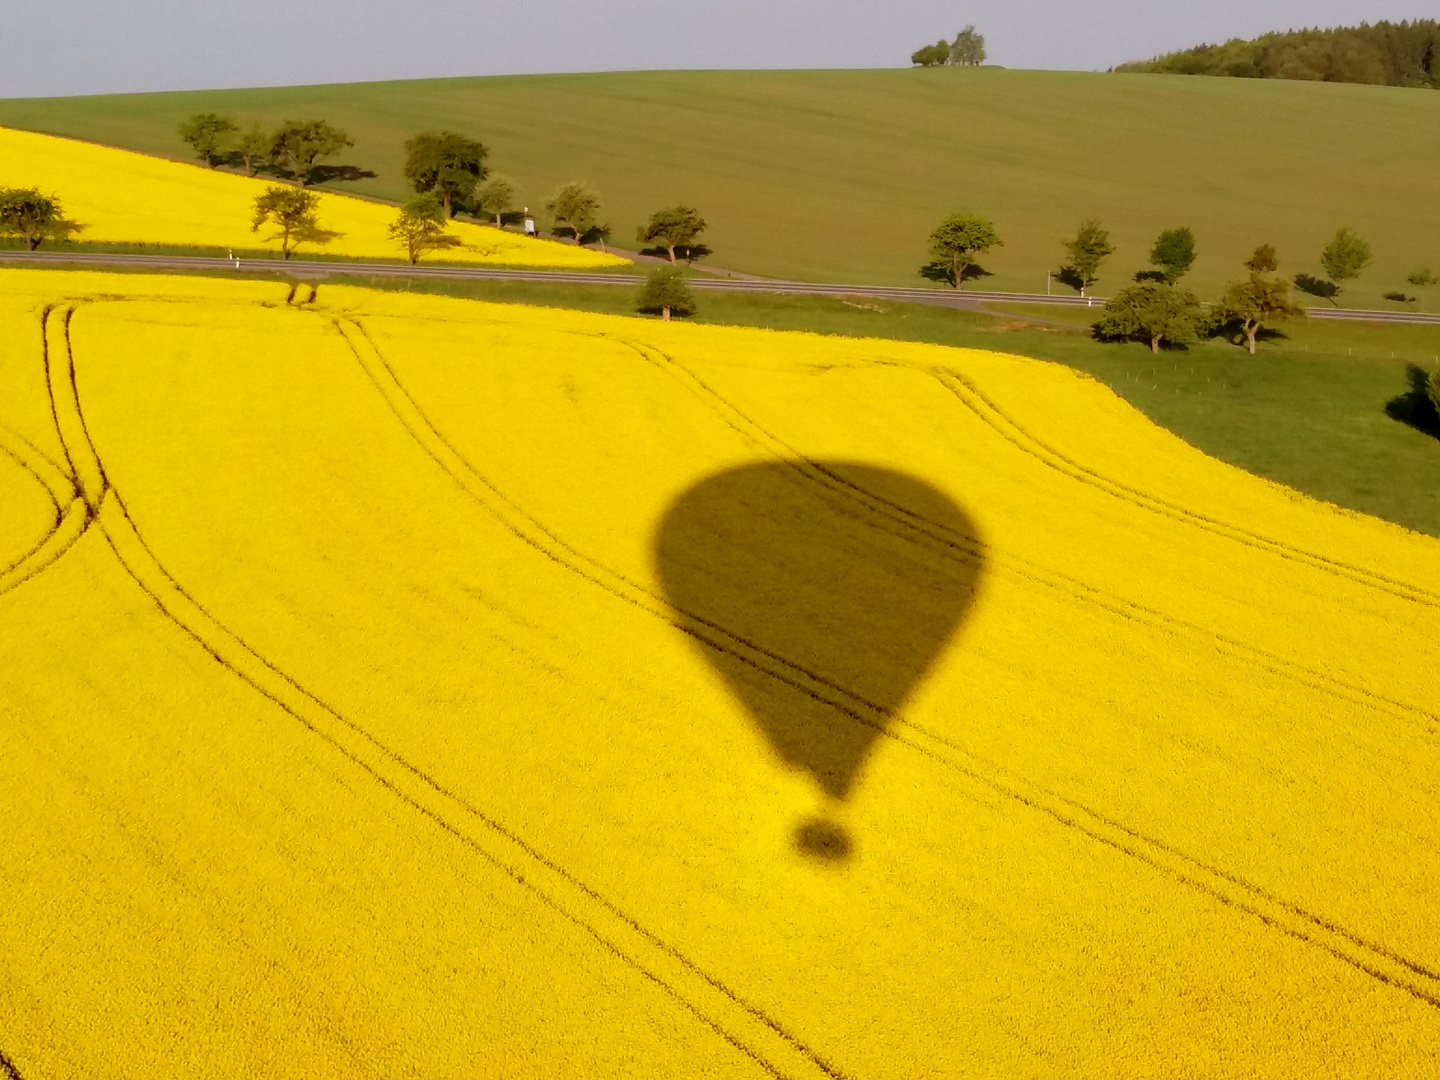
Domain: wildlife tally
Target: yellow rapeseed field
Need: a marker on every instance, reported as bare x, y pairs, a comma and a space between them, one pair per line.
124, 197
399, 686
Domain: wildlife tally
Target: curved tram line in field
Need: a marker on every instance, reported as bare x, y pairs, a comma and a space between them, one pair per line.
746, 1027
1033, 445
1372, 958
70, 514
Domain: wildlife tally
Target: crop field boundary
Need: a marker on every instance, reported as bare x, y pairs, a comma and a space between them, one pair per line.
751, 1031
1372, 958
338, 265
1022, 438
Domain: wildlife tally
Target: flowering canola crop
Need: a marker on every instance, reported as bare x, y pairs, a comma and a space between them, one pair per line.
125, 197
404, 686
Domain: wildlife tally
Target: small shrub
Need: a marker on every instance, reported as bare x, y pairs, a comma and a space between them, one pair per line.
665, 292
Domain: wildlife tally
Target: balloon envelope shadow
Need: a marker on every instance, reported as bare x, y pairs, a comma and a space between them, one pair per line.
822, 601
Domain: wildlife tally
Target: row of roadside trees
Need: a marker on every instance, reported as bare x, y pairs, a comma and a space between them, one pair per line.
1155, 307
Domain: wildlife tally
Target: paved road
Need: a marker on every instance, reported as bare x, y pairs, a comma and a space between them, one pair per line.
314, 269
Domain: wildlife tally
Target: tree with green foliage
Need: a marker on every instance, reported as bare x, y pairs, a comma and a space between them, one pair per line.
496, 196
33, 217
1173, 253
665, 291
207, 134
254, 147
1087, 251
675, 227
1345, 256
299, 145
968, 48
1260, 300
1432, 387
935, 55
294, 213
1150, 311
448, 164
574, 206
421, 227
956, 243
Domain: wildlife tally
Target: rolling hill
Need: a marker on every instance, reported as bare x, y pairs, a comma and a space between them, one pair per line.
841, 174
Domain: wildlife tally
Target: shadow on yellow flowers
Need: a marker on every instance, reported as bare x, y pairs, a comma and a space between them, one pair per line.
822, 593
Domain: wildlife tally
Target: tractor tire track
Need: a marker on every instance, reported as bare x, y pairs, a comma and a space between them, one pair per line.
71, 513
748, 1029
15, 448
540, 537
1371, 958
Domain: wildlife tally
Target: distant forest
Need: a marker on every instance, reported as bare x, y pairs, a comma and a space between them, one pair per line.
1385, 54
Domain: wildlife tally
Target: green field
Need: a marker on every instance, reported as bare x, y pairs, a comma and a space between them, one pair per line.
839, 175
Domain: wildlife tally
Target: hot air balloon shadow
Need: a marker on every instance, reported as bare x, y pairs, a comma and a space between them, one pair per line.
823, 595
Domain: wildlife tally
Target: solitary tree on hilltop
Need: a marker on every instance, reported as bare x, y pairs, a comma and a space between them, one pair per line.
676, 227
956, 242
1150, 311
1090, 247
1345, 256
421, 227
1173, 254
968, 48
297, 146
33, 217
207, 133
293, 212
1259, 300
448, 164
574, 206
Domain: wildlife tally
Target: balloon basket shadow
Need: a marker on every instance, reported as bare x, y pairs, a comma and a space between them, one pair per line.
823, 840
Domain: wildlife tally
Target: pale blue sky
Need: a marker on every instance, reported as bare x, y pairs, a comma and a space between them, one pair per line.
50, 47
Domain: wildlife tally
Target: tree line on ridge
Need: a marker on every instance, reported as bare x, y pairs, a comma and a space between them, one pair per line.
1382, 53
